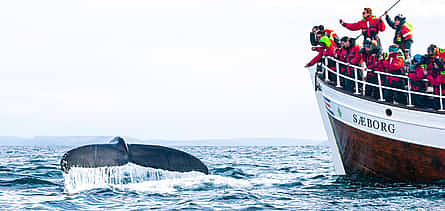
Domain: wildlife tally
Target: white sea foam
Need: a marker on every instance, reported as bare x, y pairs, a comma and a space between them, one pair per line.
132, 177
187, 183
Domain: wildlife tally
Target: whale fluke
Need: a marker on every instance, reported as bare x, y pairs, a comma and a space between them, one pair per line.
165, 158
118, 153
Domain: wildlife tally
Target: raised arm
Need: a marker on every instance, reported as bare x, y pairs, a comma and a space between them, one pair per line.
390, 22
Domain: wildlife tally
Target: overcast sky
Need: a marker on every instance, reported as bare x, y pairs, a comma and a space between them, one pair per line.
173, 69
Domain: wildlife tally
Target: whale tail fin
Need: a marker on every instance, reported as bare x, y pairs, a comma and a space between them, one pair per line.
95, 155
118, 153
164, 158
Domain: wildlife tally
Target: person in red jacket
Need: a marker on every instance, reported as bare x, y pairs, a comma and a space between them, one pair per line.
404, 33
435, 51
341, 54
430, 58
437, 79
417, 74
394, 65
370, 25
349, 53
370, 54
327, 49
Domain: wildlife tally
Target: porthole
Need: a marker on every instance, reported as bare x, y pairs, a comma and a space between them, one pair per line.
388, 112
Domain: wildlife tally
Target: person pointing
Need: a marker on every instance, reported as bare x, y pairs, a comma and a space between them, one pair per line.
369, 25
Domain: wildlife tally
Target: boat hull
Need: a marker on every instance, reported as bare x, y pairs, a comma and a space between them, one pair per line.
366, 154
376, 139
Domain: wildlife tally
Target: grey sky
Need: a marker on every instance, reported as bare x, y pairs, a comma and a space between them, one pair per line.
173, 69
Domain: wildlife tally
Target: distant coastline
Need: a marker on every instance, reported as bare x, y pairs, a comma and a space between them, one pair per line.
81, 140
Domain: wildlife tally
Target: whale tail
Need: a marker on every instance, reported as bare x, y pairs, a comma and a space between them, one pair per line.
118, 153
165, 158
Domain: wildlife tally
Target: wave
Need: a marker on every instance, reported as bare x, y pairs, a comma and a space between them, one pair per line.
5, 169
291, 185
37, 168
231, 172
27, 181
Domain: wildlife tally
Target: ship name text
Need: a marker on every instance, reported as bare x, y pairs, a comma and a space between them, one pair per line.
373, 124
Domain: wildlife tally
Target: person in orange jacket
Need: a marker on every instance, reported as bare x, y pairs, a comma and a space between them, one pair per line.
370, 25
394, 65
348, 53
404, 32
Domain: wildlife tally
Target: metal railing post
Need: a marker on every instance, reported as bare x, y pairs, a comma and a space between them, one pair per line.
440, 98
409, 94
356, 81
326, 70
379, 80
364, 85
337, 66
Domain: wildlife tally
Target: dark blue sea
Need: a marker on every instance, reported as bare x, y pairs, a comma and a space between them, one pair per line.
242, 178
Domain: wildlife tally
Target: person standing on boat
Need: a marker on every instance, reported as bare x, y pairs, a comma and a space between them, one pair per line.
404, 32
341, 54
435, 51
328, 32
394, 65
313, 36
370, 54
370, 25
327, 49
349, 53
331, 35
430, 57
437, 79
419, 72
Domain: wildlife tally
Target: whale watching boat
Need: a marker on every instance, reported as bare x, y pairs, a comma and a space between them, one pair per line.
371, 137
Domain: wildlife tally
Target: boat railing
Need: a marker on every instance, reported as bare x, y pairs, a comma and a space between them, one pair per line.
380, 86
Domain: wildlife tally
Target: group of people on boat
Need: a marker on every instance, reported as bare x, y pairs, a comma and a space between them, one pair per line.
397, 61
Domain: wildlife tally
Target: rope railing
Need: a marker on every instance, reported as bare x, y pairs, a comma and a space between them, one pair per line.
379, 84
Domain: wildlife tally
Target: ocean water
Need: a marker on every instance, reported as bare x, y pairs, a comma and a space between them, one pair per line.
242, 178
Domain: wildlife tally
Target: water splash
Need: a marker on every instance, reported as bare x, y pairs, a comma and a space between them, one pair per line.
80, 179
